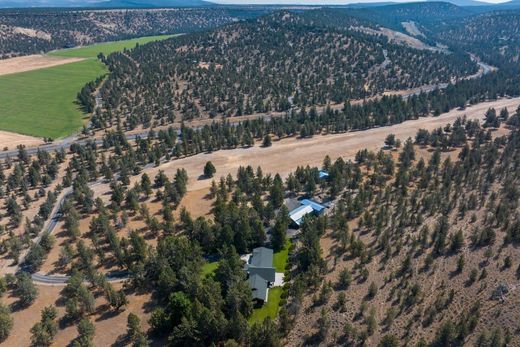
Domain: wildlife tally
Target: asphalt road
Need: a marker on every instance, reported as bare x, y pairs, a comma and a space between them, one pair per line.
53, 220
66, 142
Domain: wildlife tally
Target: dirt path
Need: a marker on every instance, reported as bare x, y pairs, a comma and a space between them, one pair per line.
285, 155
32, 62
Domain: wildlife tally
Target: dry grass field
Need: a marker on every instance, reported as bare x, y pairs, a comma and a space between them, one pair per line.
285, 155
33, 62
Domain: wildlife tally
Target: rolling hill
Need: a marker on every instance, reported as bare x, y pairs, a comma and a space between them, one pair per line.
103, 3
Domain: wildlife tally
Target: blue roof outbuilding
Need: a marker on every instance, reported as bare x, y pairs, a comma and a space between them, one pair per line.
318, 208
324, 174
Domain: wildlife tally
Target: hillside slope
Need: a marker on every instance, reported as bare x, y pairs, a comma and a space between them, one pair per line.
269, 64
24, 32
422, 250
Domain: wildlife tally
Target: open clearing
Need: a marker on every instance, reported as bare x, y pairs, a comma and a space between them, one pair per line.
12, 140
32, 62
42, 102
285, 155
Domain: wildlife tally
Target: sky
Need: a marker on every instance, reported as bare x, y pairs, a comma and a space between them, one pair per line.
316, 2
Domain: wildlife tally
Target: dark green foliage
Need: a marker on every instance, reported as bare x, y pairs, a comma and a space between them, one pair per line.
6, 322
44, 331
25, 290
209, 169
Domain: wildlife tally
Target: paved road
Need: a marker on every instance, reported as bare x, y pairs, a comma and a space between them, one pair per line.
66, 142
50, 226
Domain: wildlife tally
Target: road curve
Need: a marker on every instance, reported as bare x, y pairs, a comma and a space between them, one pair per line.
50, 226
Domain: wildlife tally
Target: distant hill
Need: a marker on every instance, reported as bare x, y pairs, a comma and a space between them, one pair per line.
103, 3
466, 2
152, 3
391, 16
514, 4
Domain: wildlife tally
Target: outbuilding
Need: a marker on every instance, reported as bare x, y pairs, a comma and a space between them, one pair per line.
307, 207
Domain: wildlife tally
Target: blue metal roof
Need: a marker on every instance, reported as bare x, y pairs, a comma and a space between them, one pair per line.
315, 206
324, 174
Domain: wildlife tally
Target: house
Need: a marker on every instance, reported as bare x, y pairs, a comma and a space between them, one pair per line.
307, 207
261, 272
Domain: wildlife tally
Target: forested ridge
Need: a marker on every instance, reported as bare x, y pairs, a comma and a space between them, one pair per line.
268, 64
418, 245
494, 37
29, 31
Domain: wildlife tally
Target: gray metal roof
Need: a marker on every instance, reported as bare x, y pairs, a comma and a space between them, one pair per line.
261, 272
259, 286
262, 257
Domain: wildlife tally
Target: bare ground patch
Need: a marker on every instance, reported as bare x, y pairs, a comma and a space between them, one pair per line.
285, 155
32, 62
11, 140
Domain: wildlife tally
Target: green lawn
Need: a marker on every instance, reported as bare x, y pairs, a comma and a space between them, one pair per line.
107, 47
269, 309
209, 268
280, 258
42, 102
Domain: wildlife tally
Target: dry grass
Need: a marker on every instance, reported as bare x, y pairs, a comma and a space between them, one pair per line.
32, 62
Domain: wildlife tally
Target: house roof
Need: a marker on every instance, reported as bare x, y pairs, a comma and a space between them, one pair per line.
261, 272
297, 214
259, 287
261, 264
262, 257
324, 174
315, 206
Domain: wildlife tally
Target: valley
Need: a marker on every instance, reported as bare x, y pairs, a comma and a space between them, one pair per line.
260, 176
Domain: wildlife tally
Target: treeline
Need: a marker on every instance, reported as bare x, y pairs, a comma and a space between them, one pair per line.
30, 31
86, 97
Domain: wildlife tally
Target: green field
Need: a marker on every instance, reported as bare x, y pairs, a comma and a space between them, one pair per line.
209, 268
42, 102
106, 47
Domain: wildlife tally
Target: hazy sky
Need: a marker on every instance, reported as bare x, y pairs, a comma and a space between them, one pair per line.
315, 2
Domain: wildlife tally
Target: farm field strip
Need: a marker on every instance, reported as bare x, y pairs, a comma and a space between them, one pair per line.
33, 62
42, 102
106, 48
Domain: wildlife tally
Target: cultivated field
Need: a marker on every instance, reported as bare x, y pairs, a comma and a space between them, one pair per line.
42, 102
106, 48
